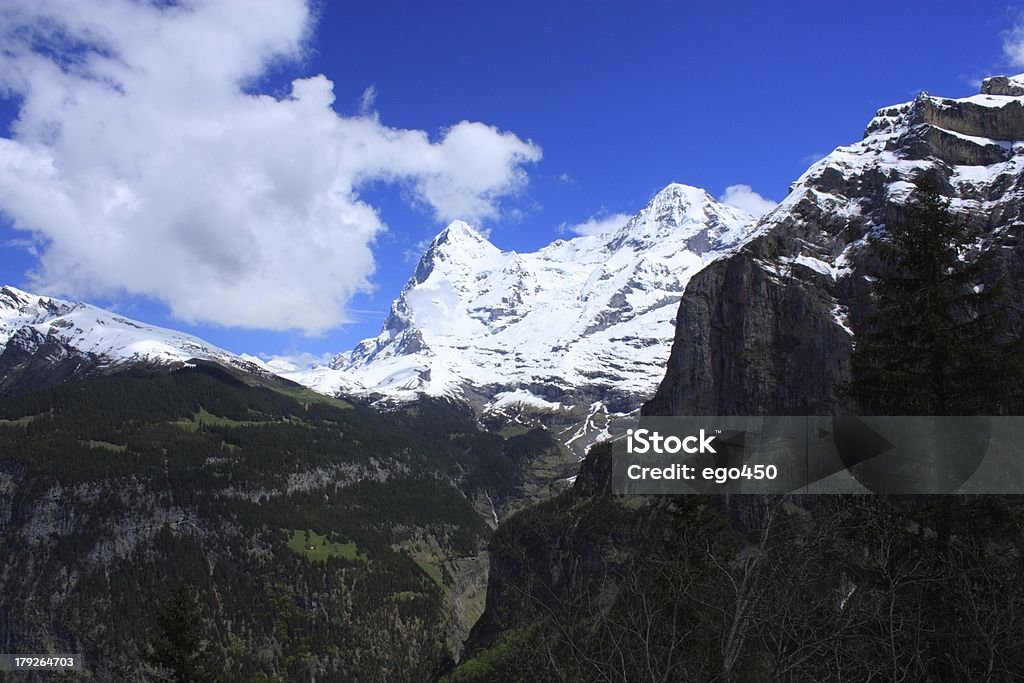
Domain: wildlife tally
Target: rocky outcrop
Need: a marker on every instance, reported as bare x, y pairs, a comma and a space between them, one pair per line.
1003, 85
768, 328
31, 360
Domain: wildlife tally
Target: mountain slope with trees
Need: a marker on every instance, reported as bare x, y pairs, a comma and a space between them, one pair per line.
320, 538
595, 586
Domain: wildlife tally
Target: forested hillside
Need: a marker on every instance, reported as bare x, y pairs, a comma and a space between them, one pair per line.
594, 586
320, 538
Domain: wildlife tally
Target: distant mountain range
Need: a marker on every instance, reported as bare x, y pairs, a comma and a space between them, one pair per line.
579, 321
581, 328
585, 326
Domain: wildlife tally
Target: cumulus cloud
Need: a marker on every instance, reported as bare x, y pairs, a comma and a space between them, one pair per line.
142, 162
597, 225
744, 197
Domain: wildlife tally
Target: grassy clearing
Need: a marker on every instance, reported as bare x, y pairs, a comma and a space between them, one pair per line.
432, 571
304, 395
20, 422
406, 596
317, 548
206, 417
106, 445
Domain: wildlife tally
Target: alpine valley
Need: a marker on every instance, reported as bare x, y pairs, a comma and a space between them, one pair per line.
342, 522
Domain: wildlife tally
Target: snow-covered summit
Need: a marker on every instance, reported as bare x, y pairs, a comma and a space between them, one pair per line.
458, 233
678, 212
579, 319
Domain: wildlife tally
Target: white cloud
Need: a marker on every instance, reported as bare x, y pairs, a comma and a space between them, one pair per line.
367, 100
744, 197
597, 225
1013, 44
28, 245
141, 161
292, 361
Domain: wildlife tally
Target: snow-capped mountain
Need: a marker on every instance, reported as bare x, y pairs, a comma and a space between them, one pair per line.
778, 336
43, 339
579, 321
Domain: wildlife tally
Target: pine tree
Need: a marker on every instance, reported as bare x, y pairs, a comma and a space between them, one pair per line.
934, 344
180, 643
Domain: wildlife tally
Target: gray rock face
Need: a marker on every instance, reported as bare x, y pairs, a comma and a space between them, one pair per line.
31, 360
997, 117
1003, 85
767, 329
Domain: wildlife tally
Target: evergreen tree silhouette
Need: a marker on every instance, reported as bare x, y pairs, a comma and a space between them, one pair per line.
180, 643
935, 344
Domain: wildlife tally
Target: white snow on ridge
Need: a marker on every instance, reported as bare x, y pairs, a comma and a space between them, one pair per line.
595, 310
91, 330
815, 264
878, 155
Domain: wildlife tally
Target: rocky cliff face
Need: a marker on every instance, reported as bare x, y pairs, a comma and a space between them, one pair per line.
767, 328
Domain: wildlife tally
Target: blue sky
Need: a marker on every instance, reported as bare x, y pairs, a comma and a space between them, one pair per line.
588, 109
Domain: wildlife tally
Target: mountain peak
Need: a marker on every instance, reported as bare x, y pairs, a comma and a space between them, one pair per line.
459, 244
680, 201
78, 340
458, 231
680, 193
683, 212
592, 312
13, 297
17, 302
